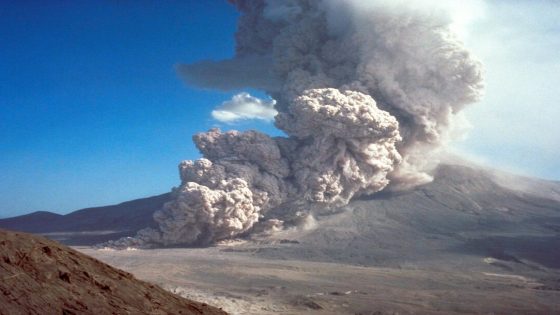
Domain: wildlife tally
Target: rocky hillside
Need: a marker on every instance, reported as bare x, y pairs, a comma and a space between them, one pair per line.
40, 276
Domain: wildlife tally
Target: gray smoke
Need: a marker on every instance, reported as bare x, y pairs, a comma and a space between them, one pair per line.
364, 92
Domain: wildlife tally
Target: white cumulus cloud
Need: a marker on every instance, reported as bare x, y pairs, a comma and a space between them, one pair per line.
244, 106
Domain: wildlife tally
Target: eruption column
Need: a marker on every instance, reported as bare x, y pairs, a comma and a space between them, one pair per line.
365, 92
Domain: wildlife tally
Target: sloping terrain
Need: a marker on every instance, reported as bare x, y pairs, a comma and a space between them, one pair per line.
463, 211
39, 276
91, 225
463, 244
472, 241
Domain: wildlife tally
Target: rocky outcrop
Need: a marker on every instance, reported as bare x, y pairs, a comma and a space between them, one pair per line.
40, 276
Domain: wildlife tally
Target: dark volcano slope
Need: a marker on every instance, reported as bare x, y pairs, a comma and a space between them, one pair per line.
40, 276
463, 212
91, 225
466, 210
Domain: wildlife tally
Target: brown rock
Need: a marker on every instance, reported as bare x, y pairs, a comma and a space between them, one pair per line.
40, 276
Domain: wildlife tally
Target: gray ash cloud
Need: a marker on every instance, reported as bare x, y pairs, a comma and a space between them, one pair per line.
364, 92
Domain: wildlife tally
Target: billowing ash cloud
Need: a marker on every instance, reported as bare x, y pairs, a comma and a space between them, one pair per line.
364, 92
243, 106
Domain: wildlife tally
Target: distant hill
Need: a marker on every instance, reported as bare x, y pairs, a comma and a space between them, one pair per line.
466, 209
40, 276
91, 225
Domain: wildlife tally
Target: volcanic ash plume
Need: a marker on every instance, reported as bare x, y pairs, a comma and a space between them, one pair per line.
342, 144
364, 92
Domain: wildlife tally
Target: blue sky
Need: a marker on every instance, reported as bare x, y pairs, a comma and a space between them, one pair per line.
92, 111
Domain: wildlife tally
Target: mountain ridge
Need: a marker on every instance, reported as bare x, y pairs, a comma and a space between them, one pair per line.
456, 188
101, 223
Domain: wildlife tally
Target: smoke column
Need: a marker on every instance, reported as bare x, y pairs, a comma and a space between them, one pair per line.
365, 92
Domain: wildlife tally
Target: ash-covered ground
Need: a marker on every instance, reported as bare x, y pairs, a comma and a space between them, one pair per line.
463, 244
